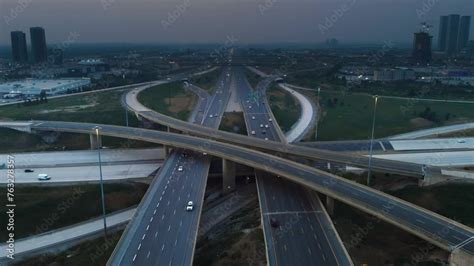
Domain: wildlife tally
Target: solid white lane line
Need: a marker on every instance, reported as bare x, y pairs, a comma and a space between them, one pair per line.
134, 257
143, 237
139, 246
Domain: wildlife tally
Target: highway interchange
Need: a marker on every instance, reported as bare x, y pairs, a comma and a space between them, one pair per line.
303, 233
167, 235
438, 230
434, 228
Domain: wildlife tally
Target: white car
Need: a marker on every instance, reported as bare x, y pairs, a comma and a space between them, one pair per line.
266, 126
189, 206
211, 116
266, 138
270, 120
253, 117
250, 106
261, 125
253, 132
180, 168
204, 154
461, 141
43, 177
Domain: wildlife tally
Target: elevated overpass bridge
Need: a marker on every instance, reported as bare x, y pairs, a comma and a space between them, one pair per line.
434, 228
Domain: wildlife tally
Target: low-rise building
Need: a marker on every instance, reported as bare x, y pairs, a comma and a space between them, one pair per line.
34, 87
394, 74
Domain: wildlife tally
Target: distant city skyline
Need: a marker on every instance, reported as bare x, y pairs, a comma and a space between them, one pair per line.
213, 21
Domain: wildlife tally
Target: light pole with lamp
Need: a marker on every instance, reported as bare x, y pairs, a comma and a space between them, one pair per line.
126, 117
317, 119
99, 144
372, 140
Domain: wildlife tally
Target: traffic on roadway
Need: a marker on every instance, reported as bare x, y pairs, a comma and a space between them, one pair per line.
167, 235
297, 229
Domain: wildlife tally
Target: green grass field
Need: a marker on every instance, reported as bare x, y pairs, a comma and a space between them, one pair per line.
450, 200
95, 252
350, 116
170, 99
285, 108
99, 107
208, 81
252, 78
43, 208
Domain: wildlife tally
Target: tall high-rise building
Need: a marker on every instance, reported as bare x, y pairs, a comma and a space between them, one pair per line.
422, 47
38, 45
452, 36
56, 56
464, 28
443, 33
19, 49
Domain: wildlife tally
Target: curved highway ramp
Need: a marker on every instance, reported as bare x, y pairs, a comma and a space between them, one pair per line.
436, 229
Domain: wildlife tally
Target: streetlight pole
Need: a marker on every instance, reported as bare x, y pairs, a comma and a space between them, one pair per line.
101, 180
372, 141
317, 118
126, 117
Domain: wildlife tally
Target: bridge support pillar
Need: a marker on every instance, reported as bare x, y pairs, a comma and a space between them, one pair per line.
94, 142
228, 176
49, 137
432, 178
167, 151
330, 205
459, 258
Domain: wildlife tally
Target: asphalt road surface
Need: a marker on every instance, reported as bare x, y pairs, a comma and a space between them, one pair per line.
439, 230
165, 233
297, 229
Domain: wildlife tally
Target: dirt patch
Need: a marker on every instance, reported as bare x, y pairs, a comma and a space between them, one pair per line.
246, 251
180, 104
419, 122
68, 109
234, 122
278, 95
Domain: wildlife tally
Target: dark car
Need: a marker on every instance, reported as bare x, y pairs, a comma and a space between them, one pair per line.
274, 222
29, 170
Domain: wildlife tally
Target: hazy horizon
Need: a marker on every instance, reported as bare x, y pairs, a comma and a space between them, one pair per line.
212, 21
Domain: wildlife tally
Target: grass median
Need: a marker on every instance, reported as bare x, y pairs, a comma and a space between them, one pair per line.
284, 106
98, 107
349, 116
170, 99
41, 209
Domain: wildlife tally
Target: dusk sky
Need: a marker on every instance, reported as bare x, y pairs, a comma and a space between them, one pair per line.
247, 21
